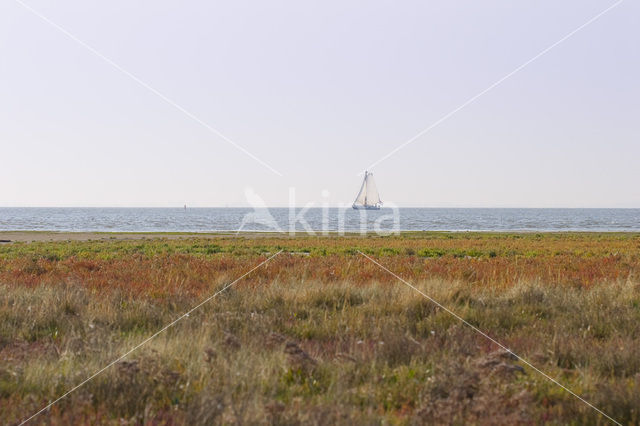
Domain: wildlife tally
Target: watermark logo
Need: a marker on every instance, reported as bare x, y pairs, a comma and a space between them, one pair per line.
318, 218
260, 215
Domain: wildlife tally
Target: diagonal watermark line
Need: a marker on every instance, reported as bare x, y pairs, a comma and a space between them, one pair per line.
477, 330
148, 339
492, 86
146, 86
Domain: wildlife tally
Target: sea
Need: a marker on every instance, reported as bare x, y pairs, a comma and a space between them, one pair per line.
317, 219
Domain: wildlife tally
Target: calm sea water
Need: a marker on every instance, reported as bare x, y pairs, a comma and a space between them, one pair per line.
231, 219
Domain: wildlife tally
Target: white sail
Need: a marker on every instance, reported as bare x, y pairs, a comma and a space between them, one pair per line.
362, 194
372, 191
368, 196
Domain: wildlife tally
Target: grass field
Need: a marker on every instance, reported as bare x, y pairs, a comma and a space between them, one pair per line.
320, 334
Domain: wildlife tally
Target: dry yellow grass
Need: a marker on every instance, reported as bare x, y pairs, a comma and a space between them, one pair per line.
320, 334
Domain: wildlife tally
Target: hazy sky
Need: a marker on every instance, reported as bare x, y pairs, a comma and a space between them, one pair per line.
319, 90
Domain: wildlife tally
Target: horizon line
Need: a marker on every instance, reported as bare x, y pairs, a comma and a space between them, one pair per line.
314, 207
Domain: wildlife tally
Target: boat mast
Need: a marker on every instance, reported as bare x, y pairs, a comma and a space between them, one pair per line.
365, 187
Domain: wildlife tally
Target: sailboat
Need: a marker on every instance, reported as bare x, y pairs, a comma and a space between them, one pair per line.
368, 197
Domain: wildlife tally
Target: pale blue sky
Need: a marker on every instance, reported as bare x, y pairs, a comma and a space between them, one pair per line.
320, 90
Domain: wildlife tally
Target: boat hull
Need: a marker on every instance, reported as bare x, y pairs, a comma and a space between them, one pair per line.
365, 207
